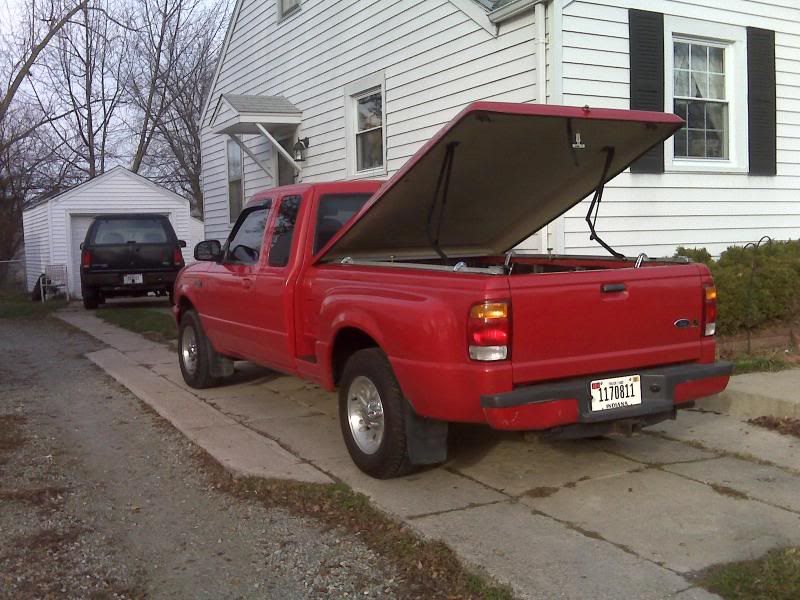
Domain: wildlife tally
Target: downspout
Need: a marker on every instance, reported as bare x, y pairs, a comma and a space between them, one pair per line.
540, 19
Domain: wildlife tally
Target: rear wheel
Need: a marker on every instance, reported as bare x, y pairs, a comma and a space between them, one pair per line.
372, 414
195, 353
90, 298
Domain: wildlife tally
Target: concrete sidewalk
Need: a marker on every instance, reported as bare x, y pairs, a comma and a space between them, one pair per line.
612, 518
758, 394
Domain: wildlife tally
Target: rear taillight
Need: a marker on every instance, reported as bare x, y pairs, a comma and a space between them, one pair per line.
489, 331
177, 257
709, 310
86, 259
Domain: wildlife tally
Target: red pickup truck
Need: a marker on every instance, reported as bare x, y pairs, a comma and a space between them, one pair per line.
408, 297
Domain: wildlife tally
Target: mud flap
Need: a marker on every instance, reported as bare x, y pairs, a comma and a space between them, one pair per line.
426, 439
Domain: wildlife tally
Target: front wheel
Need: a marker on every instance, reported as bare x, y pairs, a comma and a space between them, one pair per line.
195, 353
372, 414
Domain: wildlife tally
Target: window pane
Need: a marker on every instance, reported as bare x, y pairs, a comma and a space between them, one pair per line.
248, 237
699, 85
697, 143
681, 83
681, 109
716, 87
681, 55
370, 111
235, 198
234, 160
715, 116
697, 115
715, 144
369, 149
681, 143
716, 60
122, 231
334, 211
699, 58
283, 231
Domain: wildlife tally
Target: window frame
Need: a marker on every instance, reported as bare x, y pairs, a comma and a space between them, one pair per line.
353, 92
228, 180
733, 40
285, 14
269, 234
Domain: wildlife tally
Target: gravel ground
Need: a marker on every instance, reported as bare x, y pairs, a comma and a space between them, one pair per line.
100, 498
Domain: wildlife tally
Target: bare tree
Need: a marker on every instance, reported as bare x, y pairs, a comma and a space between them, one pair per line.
171, 141
84, 79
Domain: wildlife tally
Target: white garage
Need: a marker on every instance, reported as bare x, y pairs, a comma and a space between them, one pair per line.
54, 229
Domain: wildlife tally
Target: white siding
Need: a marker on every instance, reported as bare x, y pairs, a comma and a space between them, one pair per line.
435, 58
656, 213
37, 242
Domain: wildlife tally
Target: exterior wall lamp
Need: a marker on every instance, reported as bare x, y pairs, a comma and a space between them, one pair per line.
299, 150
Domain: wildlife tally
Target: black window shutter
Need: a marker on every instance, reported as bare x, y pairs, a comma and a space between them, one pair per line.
647, 76
761, 105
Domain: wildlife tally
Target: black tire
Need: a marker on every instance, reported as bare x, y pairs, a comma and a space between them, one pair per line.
390, 459
198, 375
90, 300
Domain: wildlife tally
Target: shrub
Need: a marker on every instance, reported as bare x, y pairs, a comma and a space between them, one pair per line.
756, 286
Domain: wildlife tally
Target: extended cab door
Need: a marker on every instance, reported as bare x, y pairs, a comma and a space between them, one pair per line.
272, 328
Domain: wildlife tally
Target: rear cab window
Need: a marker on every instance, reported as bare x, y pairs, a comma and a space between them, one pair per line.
140, 230
333, 212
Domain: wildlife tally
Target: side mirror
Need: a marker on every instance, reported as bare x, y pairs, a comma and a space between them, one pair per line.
208, 251
181, 243
81, 246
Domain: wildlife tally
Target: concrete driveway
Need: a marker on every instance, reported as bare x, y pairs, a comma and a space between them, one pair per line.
609, 518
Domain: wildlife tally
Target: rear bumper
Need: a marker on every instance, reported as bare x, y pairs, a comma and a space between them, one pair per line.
113, 282
568, 403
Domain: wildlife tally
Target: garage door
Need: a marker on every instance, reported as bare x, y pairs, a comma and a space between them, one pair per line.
79, 225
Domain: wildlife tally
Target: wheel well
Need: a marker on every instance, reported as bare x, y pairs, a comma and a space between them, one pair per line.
348, 341
184, 305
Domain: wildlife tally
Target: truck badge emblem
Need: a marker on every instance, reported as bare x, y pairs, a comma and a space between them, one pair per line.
683, 323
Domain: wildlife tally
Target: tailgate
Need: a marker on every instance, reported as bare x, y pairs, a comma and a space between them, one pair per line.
592, 322
132, 256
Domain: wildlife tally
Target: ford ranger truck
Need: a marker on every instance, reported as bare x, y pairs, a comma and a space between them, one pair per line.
410, 298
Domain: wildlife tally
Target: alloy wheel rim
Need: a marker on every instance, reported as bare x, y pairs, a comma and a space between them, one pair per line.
189, 350
365, 414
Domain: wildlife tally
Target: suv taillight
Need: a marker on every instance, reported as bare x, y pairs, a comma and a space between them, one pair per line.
86, 259
177, 257
489, 331
709, 310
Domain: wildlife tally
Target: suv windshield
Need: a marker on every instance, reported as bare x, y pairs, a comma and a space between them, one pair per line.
122, 231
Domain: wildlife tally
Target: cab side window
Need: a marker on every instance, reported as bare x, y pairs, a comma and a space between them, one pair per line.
283, 231
244, 245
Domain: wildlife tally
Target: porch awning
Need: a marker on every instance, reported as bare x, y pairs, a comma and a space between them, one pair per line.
274, 117
241, 115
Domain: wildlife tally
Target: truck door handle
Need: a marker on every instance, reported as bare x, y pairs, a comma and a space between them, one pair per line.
613, 288
247, 283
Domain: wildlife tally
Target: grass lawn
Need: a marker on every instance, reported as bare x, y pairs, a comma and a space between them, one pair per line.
753, 363
776, 576
151, 323
16, 304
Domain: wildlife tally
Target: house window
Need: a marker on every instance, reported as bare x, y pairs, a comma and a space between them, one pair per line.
705, 83
369, 131
286, 7
235, 180
700, 98
365, 116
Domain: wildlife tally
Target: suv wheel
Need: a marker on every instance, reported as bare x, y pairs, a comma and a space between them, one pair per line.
90, 299
195, 353
372, 414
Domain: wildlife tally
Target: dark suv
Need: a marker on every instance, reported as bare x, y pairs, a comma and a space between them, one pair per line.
129, 255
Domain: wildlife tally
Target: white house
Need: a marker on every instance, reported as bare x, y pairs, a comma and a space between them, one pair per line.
363, 84
55, 228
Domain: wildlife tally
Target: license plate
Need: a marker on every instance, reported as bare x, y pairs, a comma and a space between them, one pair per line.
618, 392
132, 279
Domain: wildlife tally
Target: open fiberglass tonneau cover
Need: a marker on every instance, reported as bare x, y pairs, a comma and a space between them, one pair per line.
494, 176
